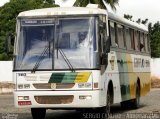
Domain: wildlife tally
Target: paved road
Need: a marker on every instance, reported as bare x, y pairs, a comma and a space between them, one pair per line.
149, 104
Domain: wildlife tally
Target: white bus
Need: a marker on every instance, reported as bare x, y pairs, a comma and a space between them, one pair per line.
79, 58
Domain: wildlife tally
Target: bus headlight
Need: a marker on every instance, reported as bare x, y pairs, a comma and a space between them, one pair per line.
84, 85
23, 97
26, 86
20, 98
26, 97
20, 86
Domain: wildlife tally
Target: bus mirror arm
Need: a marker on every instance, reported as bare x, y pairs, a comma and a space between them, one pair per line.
104, 62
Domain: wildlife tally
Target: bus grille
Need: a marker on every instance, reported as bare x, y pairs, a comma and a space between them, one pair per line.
58, 85
54, 99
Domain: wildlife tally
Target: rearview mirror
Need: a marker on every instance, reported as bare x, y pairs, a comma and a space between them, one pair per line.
9, 43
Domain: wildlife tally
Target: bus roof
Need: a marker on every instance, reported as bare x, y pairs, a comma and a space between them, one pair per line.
127, 22
62, 11
81, 11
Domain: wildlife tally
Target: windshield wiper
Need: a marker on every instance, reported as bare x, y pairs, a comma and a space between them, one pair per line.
42, 56
66, 59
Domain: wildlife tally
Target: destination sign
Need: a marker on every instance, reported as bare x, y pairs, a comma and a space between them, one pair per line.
37, 22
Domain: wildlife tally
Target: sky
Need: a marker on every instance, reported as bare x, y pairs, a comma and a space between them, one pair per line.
137, 8
2, 2
140, 9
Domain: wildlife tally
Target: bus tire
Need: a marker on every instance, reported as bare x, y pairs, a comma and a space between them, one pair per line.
125, 104
38, 113
136, 101
107, 108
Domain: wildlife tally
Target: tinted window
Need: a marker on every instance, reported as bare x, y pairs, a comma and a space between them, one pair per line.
137, 40
128, 38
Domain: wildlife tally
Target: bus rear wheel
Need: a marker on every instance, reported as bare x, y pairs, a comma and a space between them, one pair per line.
38, 113
136, 101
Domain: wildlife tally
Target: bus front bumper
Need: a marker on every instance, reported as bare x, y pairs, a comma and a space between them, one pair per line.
58, 99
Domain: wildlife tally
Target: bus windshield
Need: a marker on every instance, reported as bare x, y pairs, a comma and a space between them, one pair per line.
39, 42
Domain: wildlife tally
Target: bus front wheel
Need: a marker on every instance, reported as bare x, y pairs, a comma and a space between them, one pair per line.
38, 113
109, 100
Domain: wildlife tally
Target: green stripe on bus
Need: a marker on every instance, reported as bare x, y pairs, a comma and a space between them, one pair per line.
62, 77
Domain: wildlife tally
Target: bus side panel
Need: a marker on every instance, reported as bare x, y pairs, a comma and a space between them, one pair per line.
112, 74
131, 68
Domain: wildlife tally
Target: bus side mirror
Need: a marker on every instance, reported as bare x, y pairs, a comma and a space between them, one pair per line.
9, 43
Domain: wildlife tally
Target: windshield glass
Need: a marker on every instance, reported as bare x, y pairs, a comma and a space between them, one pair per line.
75, 37
40, 41
35, 36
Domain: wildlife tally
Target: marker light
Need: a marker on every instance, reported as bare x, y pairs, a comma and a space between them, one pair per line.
23, 97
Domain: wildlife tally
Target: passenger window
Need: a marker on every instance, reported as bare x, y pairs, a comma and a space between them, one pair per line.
132, 39
120, 36
137, 41
128, 38
142, 45
113, 33
146, 43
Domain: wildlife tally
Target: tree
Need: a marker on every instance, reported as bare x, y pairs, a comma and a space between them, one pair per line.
8, 14
83, 3
138, 21
127, 16
144, 21
154, 34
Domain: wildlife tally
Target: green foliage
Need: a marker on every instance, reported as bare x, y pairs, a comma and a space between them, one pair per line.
8, 14
83, 3
4, 57
154, 32
127, 16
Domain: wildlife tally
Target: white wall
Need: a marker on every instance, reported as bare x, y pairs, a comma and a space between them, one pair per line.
155, 67
6, 71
